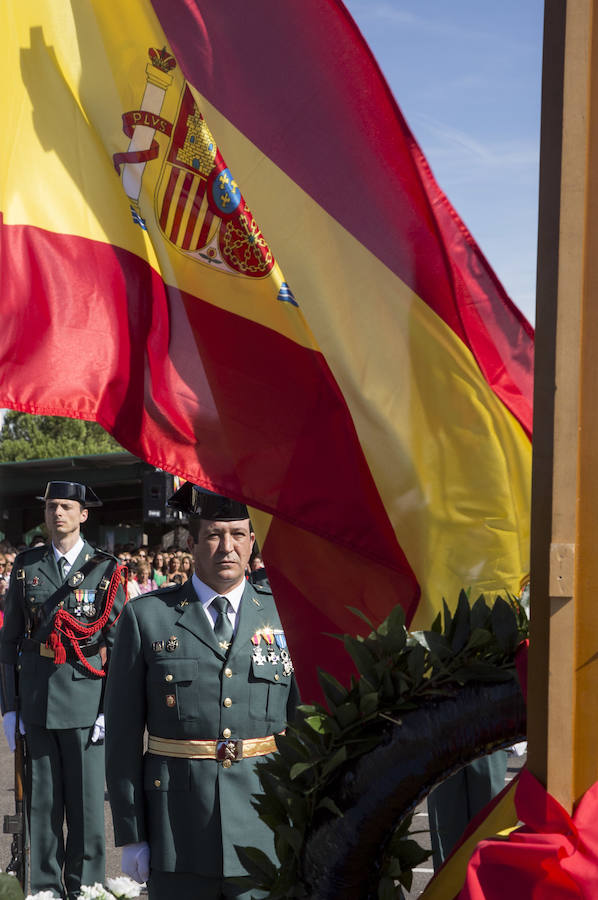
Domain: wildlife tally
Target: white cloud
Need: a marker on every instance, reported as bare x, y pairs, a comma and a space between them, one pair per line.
451, 146
389, 14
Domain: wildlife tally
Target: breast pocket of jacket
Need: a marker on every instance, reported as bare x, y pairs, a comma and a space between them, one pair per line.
83, 603
35, 599
174, 687
268, 693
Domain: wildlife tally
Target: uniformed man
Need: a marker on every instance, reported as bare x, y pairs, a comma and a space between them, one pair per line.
206, 667
65, 586
455, 802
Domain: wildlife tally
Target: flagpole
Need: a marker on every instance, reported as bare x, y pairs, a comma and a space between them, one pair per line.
563, 671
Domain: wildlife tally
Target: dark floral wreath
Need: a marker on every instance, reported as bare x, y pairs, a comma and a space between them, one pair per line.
340, 793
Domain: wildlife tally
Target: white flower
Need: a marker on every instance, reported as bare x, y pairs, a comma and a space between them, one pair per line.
123, 888
96, 892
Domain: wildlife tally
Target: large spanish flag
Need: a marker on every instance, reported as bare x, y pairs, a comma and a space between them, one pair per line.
220, 240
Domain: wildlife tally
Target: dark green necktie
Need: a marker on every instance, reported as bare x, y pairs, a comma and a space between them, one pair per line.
62, 564
223, 630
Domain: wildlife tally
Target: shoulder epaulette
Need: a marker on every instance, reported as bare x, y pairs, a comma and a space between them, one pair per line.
262, 587
159, 592
101, 552
166, 594
23, 555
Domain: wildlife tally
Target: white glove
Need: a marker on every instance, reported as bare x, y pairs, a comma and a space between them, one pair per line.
518, 749
136, 861
8, 723
99, 730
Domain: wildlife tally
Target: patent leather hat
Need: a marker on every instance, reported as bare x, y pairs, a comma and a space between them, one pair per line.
71, 490
199, 503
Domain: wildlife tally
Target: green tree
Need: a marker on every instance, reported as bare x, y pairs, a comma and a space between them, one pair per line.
48, 437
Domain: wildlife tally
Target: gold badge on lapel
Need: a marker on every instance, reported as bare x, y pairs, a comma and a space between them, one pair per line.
76, 579
172, 643
157, 646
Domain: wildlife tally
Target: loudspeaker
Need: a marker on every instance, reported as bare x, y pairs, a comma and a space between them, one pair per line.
158, 486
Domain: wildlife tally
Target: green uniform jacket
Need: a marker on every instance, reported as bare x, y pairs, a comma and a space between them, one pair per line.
54, 696
168, 672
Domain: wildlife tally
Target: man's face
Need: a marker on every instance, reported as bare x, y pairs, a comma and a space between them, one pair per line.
221, 553
64, 518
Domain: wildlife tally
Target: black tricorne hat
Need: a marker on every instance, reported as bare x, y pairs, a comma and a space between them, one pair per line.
199, 503
71, 490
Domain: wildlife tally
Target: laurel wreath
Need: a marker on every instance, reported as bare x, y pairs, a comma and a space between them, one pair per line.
398, 671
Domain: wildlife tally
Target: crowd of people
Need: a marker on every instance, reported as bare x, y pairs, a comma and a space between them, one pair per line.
7, 558
148, 568
152, 568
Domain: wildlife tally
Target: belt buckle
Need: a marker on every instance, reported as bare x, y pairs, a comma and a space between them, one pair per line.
229, 750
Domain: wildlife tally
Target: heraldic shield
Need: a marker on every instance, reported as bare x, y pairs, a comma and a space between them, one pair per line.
199, 206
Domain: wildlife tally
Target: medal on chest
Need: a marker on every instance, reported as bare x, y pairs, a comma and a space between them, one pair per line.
276, 649
85, 603
258, 657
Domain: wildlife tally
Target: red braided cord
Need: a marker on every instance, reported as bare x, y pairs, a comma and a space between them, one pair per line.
67, 624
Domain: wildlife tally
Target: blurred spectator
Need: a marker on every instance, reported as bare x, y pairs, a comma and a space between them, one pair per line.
174, 566
133, 589
145, 581
256, 562
159, 569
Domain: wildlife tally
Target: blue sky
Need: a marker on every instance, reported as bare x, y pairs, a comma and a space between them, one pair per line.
467, 76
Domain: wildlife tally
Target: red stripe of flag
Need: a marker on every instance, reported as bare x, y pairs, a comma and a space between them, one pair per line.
269, 416
180, 207
168, 194
200, 188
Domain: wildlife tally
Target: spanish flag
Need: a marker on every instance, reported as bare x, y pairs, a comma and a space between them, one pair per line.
220, 240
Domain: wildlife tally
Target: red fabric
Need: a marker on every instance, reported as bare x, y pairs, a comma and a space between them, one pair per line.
256, 417
552, 857
316, 104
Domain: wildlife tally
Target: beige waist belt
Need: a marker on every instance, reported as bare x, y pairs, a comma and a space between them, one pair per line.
225, 752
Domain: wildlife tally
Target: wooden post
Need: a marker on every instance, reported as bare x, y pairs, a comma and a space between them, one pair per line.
563, 680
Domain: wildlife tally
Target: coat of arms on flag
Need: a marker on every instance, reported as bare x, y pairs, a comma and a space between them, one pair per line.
198, 205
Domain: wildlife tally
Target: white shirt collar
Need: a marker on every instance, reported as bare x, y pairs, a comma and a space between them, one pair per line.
72, 554
206, 594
